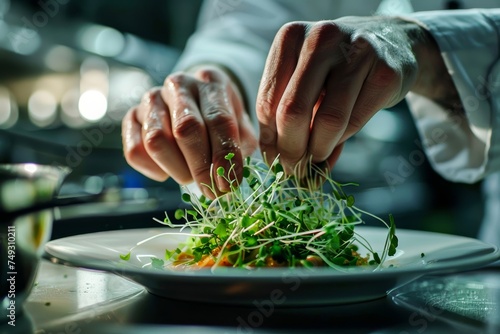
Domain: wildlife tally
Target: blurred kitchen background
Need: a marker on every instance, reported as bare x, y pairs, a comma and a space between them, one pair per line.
71, 69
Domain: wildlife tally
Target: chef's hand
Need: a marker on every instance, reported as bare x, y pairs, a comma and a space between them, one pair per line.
324, 80
195, 119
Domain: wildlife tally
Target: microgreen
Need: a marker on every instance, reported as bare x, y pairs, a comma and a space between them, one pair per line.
157, 263
270, 217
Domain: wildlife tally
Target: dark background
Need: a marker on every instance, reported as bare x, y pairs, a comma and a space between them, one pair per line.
153, 34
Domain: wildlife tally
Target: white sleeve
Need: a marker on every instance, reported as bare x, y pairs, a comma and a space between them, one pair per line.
238, 33
464, 148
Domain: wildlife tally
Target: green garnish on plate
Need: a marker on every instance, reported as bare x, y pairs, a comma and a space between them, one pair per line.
272, 220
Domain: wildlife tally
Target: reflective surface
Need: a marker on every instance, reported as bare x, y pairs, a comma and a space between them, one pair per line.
471, 299
70, 300
419, 253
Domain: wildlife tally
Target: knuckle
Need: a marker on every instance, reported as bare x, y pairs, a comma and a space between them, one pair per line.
217, 113
321, 33
332, 119
149, 96
154, 140
361, 41
357, 121
293, 110
208, 74
213, 95
292, 30
358, 48
176, 80
186, 126
289, 38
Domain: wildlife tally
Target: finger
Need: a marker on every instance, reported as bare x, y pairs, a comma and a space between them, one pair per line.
246, 129
134, 150
335, 112
158, 139
280, 65
248, 135
222, 126
296, 107
188, 127
381, 89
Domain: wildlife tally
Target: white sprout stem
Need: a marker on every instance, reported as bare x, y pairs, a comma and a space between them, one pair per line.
251, 225
264, 228
316, 237
257, 196
172, 233
371, 215
324, 258
362, 240
293, 235
387, 239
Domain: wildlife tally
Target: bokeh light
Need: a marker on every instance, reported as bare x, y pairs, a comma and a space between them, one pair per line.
42, 108
92, 105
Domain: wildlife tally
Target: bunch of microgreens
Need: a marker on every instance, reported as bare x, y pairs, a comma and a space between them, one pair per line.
270, 214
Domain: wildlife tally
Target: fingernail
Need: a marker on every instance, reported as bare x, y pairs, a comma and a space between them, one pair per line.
207, 192
222, 184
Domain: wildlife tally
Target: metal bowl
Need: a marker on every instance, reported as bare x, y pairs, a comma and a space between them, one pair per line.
26, 225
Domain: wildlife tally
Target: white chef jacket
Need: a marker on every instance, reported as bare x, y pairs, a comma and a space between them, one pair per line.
239, 33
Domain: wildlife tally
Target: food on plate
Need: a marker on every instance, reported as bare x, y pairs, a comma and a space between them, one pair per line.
271, 219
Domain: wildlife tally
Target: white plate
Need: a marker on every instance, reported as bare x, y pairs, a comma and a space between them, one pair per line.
272, 286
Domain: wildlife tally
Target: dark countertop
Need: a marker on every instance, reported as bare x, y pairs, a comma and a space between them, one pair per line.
72, 300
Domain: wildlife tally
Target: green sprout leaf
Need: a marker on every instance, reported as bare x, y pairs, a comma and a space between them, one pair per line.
170, 254
334, 242
278, 168
246, 172
350, 200
221, 230
251, 241
157, 263
394, 242
186, 197
220, 171
125, 257
179, 214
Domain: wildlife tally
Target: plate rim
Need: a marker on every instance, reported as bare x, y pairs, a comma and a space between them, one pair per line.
318, 274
